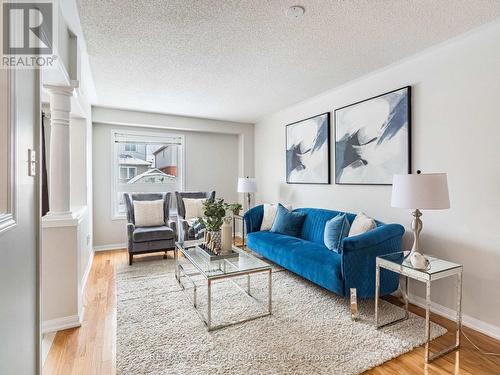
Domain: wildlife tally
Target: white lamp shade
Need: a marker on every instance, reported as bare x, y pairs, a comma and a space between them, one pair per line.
420, 191
247, 185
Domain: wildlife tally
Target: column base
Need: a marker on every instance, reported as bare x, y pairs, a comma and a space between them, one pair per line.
63, 219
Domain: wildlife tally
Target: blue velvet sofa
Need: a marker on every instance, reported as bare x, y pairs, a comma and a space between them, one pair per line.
307, 256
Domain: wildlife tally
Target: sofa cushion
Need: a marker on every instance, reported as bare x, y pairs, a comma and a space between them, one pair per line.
361, 224
144, 234
286, 222
335, 231
314, 225
310, 260
270, 214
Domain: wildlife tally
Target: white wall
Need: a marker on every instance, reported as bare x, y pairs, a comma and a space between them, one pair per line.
456, 129
211, 163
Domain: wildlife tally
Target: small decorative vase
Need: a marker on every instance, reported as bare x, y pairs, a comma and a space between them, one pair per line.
215, 241
227, 237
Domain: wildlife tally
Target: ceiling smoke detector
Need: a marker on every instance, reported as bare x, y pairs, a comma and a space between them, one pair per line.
296, 12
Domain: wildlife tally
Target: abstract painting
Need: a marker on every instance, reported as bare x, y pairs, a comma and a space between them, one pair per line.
308, 151
372, 139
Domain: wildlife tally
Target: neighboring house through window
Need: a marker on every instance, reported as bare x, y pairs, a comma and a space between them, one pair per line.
145, 162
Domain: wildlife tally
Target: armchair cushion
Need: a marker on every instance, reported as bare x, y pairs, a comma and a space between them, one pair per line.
145, 234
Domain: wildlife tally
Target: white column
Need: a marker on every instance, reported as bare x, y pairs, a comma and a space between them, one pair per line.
59, 185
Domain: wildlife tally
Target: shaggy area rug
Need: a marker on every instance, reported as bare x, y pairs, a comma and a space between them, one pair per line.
309, 332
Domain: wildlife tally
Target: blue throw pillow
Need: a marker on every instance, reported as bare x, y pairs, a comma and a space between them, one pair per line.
335, 231
287, 222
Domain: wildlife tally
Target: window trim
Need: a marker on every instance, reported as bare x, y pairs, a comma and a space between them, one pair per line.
114, 161
8, 220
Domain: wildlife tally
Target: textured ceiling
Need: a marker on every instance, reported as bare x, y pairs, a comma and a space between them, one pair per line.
240, 60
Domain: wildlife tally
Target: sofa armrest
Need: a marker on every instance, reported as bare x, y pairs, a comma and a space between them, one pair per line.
173, 225
358, 260
253, 219
372, 238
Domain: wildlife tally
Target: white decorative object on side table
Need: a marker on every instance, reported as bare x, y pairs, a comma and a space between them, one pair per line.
437, 269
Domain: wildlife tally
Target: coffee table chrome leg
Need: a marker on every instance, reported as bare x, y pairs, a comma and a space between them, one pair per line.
427, 319
248, 285
377, 293
407, 291
209, 305
176, 264
194, 296
270, 286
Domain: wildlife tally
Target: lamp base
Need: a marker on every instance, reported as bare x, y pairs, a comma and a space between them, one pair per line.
417, 260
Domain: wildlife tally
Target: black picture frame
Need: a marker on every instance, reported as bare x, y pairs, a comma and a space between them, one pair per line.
409, 140
328, 162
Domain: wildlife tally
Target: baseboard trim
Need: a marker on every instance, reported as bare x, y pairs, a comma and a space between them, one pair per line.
468, 321
87, 272
59, 324
47, 340
113, 246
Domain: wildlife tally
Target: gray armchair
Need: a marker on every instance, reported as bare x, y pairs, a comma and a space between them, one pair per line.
187, 232
143, 240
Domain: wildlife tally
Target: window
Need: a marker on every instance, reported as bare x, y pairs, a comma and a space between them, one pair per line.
145, 162
130, 147
127, 173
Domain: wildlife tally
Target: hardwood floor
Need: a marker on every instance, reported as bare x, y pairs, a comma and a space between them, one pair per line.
91, 349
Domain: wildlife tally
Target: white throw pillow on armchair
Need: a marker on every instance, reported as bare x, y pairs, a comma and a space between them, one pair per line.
193, 208
270, 214
149, 213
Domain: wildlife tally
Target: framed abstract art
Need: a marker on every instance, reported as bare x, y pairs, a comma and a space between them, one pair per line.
308, 151
373, 139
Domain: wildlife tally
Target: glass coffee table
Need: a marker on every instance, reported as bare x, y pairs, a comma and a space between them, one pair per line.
244, 265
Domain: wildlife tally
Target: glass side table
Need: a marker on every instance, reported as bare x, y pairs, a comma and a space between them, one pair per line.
438, 269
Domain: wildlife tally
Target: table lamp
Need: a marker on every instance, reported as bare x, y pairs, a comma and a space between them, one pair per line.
420, 191
247, 185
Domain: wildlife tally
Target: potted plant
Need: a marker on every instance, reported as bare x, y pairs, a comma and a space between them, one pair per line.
215, 212
235, 208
